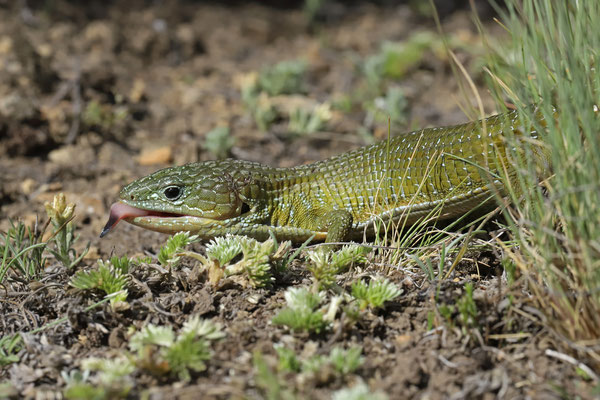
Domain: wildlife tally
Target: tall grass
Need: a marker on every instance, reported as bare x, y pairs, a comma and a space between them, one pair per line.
553, 63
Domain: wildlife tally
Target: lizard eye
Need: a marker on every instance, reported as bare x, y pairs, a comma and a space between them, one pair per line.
172, 192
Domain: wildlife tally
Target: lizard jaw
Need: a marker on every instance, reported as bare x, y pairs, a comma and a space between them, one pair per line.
145, 218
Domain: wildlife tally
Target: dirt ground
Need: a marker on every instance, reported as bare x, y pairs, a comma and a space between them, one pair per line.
94, 97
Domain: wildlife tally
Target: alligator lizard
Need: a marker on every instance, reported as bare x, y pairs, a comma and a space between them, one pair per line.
451, 170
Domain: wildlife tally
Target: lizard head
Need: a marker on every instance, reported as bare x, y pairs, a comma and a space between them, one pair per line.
199, 197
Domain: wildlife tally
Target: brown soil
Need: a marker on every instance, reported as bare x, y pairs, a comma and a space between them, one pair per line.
164, 75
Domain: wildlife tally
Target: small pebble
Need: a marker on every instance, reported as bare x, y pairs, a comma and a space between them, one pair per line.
160, 155
28, 186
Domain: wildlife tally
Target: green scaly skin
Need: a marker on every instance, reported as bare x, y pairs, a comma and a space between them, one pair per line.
452, 170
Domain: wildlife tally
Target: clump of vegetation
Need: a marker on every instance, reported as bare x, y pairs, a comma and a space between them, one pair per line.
155, 349
464, 313
259, 92
467, 308
219, 142
302, 312
359, 391
325, 264
170, 254
257, 102
107, 117
8, 390
375, 294
309, 311
556, 226
255, 268
447, 248
111, 277
391, 107
286, 77
273, 386
161, 352
343, 361
311, 9
394, 60
262, 109
10, 345
61, 216
250, 262
338, 364
22, 250
255, 264
112, 379
304, 122
259, 259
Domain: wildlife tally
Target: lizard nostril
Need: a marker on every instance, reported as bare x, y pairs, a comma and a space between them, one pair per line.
132, 197
245, 208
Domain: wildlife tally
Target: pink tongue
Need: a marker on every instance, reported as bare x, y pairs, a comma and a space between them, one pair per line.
119, 211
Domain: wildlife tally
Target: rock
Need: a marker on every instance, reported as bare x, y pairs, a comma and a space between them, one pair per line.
16, 107
152, 156
72, 155
28, 186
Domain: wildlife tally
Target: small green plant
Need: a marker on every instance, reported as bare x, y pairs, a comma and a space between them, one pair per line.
22, 250
301, 313
343, 361
155, 349
395, 59
161, 352
249, 89
112, 379
104, 116
339, 362
225, 248
8, 390
359, 391
311, 9
391, 107
375, 294
257, 102
257, 90
286, 77
268, 381
438, 272
259, 259
10, 345
511, 271
325, 264
303, 122
462, 314
219, 142
447, 312
61, 216
288, 361
170, 254
264, 112
346, 361
467, 308
111, 277
314, 364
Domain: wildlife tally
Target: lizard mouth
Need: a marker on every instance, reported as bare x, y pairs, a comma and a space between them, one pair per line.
154, 220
